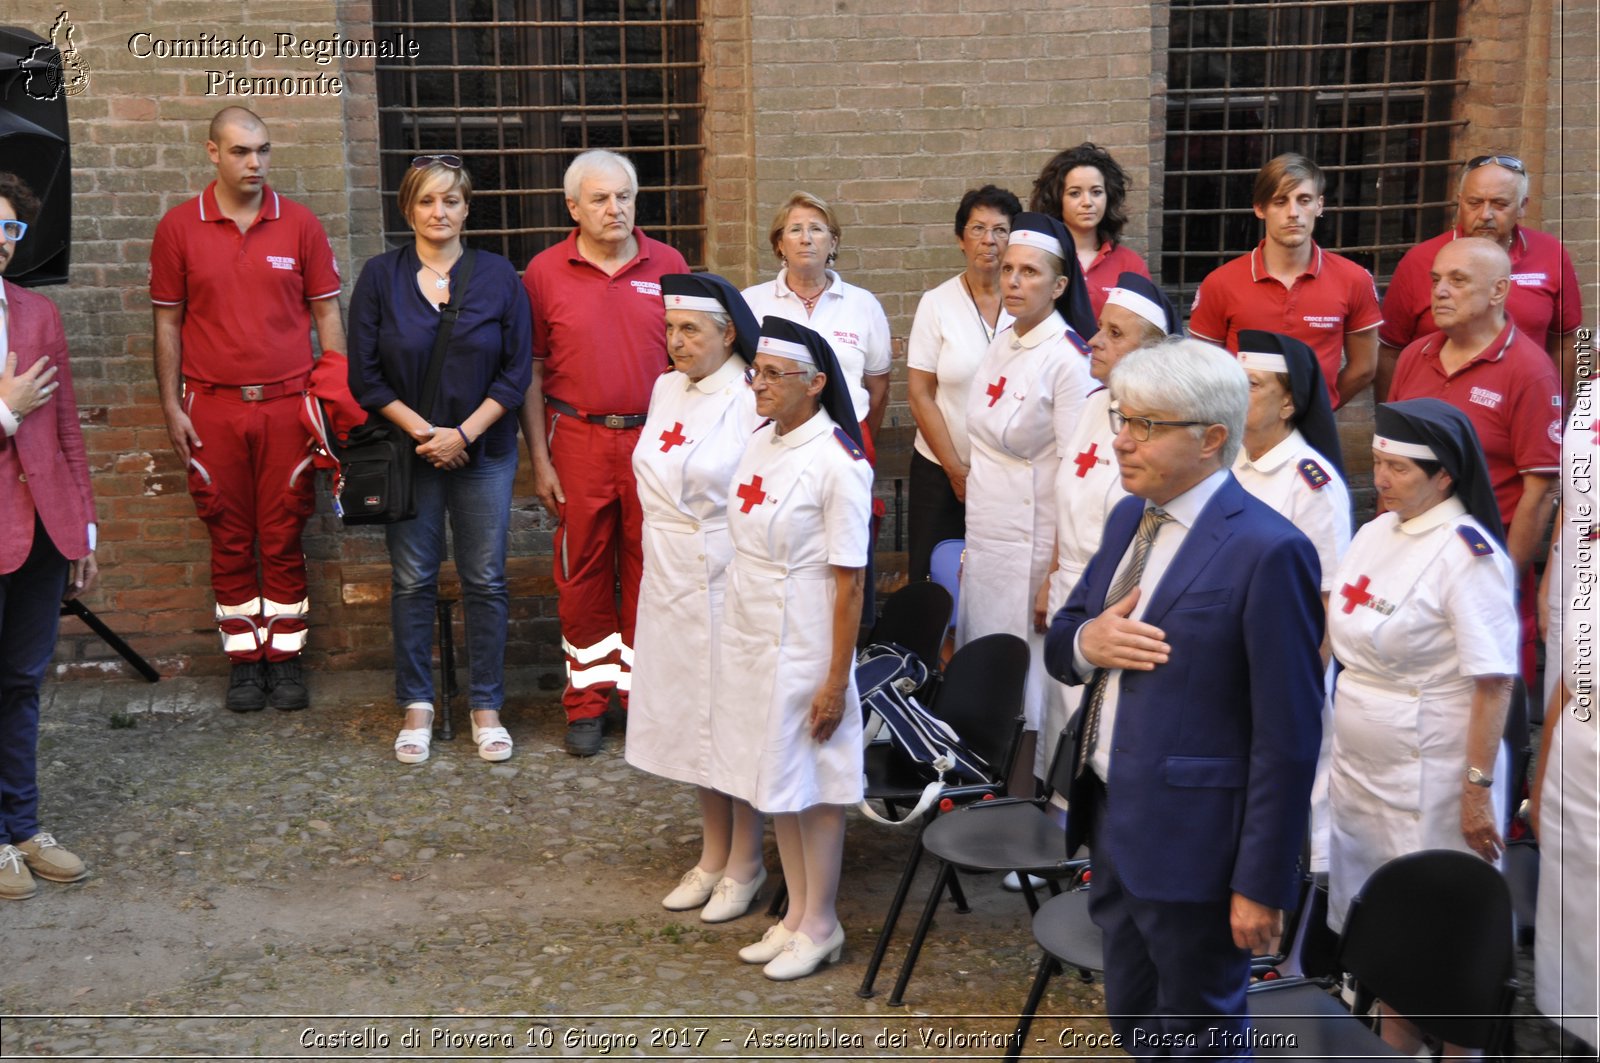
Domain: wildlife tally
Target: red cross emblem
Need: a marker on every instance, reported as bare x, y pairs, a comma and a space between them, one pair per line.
995, 390
1086, 460
1355, 594
751, 494
673, 436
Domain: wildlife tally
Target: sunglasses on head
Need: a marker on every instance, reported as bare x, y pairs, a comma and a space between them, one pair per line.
1510, 162
422, 162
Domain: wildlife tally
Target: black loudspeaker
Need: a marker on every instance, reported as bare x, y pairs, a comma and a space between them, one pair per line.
34, 145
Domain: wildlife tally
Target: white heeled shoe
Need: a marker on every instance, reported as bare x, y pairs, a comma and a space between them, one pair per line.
692, 891
420, 737
800, 956
484, 737
767, 949
730, 899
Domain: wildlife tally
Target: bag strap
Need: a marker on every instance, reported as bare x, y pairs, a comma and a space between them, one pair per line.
447, 323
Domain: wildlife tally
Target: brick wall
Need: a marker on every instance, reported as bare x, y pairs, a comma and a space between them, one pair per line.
888, 116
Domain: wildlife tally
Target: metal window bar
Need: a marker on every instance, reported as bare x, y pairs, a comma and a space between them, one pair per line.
1363, 87
519, 87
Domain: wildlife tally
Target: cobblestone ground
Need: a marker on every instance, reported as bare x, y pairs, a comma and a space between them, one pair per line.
277, 886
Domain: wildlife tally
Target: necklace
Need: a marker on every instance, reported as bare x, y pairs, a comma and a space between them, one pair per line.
443, 281
810, 303
988, 333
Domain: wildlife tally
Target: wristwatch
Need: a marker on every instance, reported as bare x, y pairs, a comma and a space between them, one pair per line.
1478, 778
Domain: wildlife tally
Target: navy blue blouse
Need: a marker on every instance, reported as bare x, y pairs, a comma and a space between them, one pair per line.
392, 328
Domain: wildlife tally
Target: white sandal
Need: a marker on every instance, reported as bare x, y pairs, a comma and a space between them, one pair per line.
419, 737
485, 737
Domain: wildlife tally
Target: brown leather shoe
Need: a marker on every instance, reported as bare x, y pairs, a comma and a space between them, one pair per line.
16, 882
47, 859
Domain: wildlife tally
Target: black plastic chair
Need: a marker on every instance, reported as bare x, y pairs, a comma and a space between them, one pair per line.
1069, 938
1430, 935
1001, 835
915, 617
981, 699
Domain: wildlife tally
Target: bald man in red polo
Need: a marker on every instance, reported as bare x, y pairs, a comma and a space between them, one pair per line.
237, 277
1483, 364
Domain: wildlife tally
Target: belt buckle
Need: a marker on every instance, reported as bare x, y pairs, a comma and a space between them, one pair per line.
253, 393
616, 420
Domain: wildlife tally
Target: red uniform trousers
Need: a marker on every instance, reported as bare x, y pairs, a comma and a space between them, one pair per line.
253, 485
598, 544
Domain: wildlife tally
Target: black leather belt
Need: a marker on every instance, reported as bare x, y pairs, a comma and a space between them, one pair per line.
608, 420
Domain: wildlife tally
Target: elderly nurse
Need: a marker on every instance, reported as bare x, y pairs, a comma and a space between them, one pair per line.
700, 418
1423, 625
1291, 461
1023, 406
786, 721
1136, 314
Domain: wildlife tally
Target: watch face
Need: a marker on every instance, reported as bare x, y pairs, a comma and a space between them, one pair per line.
1478, 778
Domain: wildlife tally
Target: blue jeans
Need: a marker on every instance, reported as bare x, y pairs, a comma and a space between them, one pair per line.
477, 499
30, 610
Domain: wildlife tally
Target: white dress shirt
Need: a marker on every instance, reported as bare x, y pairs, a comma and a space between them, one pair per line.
1184, 511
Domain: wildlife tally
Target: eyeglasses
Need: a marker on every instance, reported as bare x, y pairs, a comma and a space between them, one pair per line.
1510, 162
422, 162
12, 229
1141, 428
770, 377
1000, 232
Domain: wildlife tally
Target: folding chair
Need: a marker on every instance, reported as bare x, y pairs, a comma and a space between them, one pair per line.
1001, 835
980, 697
1430, 935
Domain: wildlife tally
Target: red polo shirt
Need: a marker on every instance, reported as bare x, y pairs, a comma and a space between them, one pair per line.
1110, 262
1333, 298
1510, 393
602, 338
244, 294
1544, 300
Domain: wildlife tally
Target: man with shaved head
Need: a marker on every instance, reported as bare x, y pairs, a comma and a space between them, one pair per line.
1482, 363
238, 275
1544, 299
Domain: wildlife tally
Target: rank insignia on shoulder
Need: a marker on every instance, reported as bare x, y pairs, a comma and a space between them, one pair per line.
1313, 474
1475, 540
848, 444
1077, 341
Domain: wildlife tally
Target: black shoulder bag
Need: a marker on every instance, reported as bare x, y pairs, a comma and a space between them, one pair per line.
377, 463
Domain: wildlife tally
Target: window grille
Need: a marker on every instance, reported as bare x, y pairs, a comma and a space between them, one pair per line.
520, 87
1365, 89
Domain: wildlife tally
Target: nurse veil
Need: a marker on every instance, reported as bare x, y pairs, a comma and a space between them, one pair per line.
1432, 428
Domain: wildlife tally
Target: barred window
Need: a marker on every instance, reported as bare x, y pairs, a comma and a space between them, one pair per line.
520, 87
1365, 89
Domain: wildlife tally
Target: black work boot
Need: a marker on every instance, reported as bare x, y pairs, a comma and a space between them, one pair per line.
247, 687
286, 689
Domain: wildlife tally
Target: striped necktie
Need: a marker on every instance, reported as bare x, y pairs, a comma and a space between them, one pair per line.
1154, 517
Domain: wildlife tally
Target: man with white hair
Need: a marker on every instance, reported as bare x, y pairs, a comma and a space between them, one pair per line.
1196, 629
598, 346
1544, 299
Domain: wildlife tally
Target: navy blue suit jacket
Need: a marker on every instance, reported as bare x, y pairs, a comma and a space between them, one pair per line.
1214, 751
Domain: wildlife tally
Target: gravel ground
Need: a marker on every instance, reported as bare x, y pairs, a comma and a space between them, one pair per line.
277, 886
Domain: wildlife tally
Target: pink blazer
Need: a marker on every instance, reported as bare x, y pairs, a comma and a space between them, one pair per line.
42, 468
